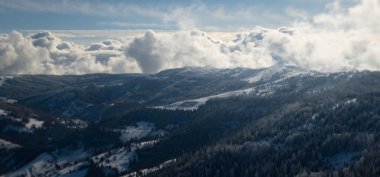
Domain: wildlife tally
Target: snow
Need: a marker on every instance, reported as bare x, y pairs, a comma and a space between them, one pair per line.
109, 85
34, 123
27, 128
144, 172
118, 159
165, 164
7, 100
190, 105
43, 165
4, 78
79, 173
308, 124
17, 129
282, 70
196, 103
70, 154
75, 168
350, 101
187, 71
4, 144
141, 130
314, 116
345, 103
3, 112
73, 123
336, 106
144, 144
254, 79
266, 89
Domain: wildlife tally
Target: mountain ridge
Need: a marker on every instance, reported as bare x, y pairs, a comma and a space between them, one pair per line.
130, 123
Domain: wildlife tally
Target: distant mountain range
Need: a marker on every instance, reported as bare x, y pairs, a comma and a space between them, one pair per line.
194, 121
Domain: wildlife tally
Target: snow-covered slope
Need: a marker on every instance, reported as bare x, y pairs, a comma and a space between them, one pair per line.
271, 76
118, 159
126, 129
277, 72
195, 103
6, 145
3, 112
4, 78
141, 130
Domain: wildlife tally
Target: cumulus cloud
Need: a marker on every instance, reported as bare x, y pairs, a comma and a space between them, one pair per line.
193, 48
43, 53
341, 39
19, 56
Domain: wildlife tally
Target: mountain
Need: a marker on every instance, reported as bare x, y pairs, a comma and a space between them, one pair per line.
194, 121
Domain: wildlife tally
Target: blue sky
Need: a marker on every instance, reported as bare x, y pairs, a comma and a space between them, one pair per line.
209, 15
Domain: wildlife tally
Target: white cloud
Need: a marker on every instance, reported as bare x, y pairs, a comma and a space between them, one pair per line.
43, 53
296, 13
19, 56
363, 16
156, 52
339, 40
219, 18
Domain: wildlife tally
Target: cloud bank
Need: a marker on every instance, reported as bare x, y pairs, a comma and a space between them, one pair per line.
341, 39
43, 53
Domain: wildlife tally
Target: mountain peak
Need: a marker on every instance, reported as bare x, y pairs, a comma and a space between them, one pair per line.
276, 72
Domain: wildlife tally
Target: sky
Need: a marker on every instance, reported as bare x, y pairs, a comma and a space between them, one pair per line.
207, 15
148, 36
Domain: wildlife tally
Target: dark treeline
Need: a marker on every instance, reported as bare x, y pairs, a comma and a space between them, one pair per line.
332, 134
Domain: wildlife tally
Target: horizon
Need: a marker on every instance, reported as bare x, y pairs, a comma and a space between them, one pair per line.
198, 88
4, 77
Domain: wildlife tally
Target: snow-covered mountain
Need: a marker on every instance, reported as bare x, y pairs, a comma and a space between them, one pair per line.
93, 96
265, 82
138, 124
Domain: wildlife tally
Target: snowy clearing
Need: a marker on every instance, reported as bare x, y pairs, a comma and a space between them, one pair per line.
3, 112
141, 130
118, 159
34, 123
4, 144
144, 172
